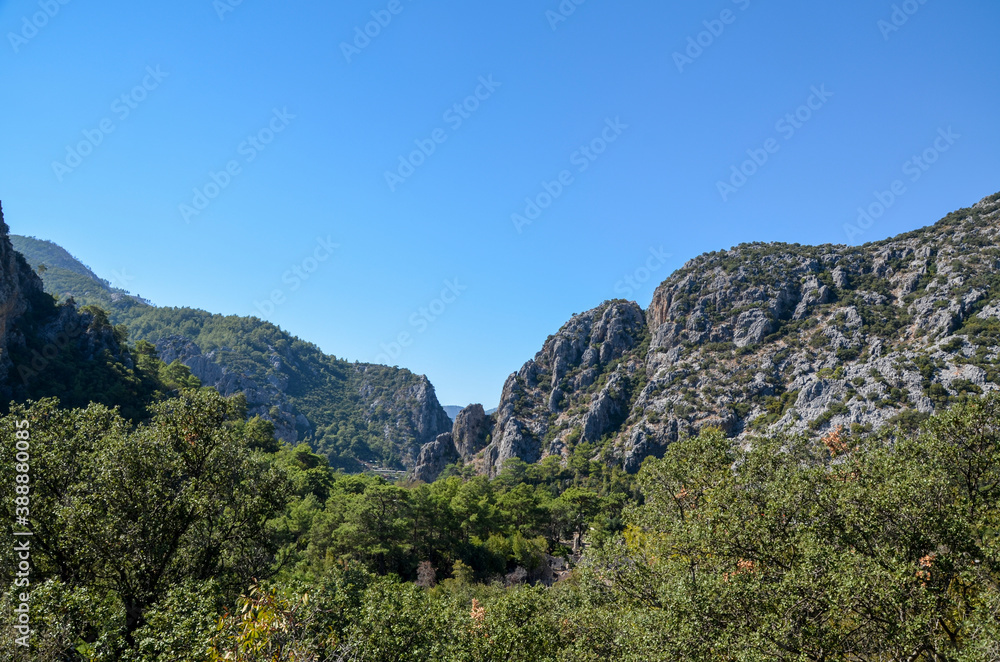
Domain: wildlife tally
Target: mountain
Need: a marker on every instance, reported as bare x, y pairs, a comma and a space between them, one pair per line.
64, 275
48, 349
762, 337
359, 415
757, 338
452, 411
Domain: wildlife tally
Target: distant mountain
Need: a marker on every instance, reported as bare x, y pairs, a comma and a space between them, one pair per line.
764, 337
452, 411
66, 276
360, 415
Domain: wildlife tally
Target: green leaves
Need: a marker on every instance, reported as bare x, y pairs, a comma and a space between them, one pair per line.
779, 548
136, 512
775, 551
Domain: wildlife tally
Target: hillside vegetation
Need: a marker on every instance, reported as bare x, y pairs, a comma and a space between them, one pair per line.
355, 414
194, 537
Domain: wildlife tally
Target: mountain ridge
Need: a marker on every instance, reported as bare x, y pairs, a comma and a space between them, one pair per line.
358, 415
762, 337
756, 338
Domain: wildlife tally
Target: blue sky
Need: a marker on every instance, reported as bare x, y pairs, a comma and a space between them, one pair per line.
611, 116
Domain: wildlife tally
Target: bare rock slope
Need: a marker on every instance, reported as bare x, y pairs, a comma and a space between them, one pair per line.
767, 337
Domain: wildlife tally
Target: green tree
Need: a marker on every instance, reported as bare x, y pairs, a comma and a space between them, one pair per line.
138, 511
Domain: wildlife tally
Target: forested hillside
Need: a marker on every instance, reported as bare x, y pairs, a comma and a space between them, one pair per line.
51, 349
356, 414
194, 537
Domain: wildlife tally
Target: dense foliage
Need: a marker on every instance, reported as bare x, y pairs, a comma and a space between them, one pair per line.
195, 537
487, 528
76, 355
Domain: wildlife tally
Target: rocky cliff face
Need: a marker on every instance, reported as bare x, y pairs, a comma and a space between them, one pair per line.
18, 284
578, 389
768, 337
469, 434
401, 409
265, 398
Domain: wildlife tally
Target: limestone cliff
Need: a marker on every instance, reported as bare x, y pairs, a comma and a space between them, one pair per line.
49, 349
767, 337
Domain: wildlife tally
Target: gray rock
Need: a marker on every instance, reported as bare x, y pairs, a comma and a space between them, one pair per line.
607, 410
514, 440
840, 278
707, 364
752, 326
434, 457
472, 427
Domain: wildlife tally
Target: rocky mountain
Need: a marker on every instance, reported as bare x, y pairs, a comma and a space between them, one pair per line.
359, 415
758, 338
469, 434
764, 337
19, 287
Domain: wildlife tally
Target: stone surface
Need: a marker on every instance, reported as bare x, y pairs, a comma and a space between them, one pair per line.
29, 320
765, 338
434, 457
471, 428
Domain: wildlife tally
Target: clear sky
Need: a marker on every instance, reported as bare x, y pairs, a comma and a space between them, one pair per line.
309, 115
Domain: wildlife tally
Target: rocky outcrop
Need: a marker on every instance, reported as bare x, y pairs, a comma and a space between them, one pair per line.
769, 337
469, 434
39, 338
434, 457
265, 398
470, 431
18, 285
575, 390
410, 416
427, 419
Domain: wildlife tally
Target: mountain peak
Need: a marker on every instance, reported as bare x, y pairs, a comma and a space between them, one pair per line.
768, 336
